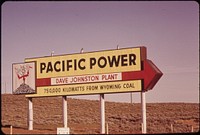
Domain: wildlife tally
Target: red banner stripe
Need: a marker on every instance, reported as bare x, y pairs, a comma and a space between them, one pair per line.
43, 82
132, 75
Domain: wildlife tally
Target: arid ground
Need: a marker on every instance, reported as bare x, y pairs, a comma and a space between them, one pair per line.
84, 116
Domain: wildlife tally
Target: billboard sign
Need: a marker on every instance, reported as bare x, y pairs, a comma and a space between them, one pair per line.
89, 73
110, 71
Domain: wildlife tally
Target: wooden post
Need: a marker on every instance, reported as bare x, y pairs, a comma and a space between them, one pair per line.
102, 107
172, 130
5, 88
30, 114
65, 111
143, 102
131, 97
11, 129
106, 128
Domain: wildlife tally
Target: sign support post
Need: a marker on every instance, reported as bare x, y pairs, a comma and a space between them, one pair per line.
30, 111
64, 111
102, 105
131, 97
143, 103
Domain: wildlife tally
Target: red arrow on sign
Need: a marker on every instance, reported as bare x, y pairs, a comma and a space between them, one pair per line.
150, 75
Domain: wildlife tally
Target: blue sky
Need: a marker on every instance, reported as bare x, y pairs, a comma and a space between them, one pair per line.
169, 30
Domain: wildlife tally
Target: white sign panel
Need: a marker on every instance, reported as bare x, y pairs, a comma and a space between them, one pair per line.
62, 131
23, 78
86, 79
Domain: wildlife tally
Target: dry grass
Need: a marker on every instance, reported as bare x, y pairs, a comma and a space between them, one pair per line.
84, 115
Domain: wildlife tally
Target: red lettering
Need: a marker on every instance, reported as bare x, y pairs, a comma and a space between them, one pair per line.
109, 77
61, 80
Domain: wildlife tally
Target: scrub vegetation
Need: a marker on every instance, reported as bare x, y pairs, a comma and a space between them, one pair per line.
84, 116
